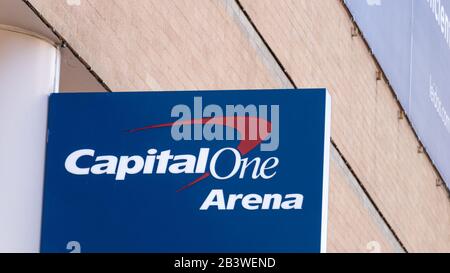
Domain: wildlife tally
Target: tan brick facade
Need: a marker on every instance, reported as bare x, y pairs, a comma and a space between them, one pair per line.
209, 44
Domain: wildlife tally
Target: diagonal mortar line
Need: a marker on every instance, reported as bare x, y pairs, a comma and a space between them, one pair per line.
64, 43
247, 16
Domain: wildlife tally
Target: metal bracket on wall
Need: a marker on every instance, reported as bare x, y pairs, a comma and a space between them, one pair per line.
400, 114
354, 31
378, 75
420, 149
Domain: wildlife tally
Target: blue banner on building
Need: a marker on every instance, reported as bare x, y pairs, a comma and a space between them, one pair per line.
430, 80
187, 172
411, 40
387, 27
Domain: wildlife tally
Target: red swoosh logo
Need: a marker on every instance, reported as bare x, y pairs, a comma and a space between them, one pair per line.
244, 147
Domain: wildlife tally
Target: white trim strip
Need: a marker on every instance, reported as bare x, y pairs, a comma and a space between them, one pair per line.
326, 173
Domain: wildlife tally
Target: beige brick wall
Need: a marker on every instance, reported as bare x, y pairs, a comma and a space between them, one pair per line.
354, 224
208, 44
159, 45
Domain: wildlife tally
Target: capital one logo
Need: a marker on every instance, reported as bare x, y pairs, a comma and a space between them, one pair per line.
255, 126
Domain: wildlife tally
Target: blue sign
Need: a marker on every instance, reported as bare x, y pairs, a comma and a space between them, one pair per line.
187, 172
411, 40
